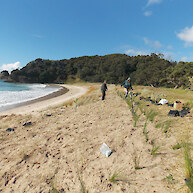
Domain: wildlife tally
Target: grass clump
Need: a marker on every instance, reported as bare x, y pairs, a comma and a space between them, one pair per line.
177, 146
188, 166
130, 101
145, 132
169, 179
154, 149
151, 115
136, 162
135, 118
164, 125
114, 178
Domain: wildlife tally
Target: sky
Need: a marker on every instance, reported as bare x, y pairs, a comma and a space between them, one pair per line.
64, 29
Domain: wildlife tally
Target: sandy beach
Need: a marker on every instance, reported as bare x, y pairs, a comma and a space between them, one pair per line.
59, 150
69, 92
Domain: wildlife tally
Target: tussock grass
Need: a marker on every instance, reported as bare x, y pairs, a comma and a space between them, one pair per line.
135, 118
165, 125
169, 179
145, 132
117, 177
114, 178
154, 149
188, 166
177, 146
136, 160
130, 101
150, 115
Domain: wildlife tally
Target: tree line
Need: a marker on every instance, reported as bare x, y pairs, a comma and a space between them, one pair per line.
115, 68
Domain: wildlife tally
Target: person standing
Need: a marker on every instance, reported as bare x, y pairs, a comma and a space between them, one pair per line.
104, 89
127, 85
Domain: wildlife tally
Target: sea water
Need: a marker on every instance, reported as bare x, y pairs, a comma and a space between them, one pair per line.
15, 93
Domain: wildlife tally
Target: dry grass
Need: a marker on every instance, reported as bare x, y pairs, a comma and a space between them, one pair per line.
176, 126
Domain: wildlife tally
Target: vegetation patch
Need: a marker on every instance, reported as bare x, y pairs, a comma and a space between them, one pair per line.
188, 166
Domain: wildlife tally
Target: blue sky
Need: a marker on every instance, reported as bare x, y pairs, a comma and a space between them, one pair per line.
62, 29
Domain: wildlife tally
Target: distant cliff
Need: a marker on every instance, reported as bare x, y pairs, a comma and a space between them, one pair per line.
115, 68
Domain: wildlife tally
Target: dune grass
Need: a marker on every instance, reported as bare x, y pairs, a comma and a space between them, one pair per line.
155, 149
169, 179
188, 166
114, 178
177, 146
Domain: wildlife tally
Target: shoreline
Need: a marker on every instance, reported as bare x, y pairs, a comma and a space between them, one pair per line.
57, 93
67, 92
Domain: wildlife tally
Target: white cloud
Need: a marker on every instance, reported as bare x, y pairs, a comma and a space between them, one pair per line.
10, 67
150, 2
155, 44
133, 52
148, 13
186, 35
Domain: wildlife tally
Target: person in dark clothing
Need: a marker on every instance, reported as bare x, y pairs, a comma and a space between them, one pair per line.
103, 89
127, 85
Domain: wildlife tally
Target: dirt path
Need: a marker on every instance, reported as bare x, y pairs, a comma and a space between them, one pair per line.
60, 150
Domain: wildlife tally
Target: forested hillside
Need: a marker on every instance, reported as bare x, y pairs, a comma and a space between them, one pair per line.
115, 68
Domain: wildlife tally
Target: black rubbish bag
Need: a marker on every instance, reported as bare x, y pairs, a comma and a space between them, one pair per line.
174, 113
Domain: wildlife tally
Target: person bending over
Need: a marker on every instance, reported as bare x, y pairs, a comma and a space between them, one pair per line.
127, 85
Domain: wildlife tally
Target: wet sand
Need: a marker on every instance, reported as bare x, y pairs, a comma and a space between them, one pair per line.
67, 92
62, 91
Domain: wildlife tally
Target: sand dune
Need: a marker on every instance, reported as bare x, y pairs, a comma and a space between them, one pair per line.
60, 150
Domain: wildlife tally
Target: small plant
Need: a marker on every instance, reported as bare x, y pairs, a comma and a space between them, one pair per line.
141, 107
188, 166
169, 179
151, 115
164, 125
177, 146
130, 100
83, 189
114, 178
136, 162
159, 125
145, 132
75, 101
117, 178
154, 149
135, 118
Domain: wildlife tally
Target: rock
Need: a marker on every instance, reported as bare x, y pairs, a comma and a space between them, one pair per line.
27, 123
10, 129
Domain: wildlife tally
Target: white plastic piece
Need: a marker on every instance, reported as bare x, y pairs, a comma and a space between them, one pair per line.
163, 101
105, 150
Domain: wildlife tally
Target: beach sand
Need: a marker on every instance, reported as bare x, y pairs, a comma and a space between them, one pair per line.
59, 151
67, 93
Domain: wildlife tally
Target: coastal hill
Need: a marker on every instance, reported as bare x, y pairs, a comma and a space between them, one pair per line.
144, 70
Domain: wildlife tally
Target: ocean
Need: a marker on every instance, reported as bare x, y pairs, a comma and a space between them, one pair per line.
15, 93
